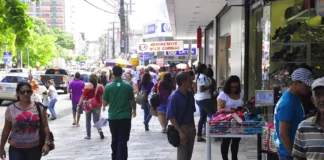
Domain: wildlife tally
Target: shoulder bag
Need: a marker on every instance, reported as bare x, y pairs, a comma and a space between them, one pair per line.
42, 134
91, 103
173, 133
141, 96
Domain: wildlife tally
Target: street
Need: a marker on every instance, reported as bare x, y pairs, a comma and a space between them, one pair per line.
71, 145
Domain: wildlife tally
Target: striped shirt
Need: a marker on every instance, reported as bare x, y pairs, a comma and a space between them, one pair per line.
309, 140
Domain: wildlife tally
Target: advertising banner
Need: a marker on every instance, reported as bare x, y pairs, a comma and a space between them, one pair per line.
184, 52
157, 29
160, 62
160, 46
145, 56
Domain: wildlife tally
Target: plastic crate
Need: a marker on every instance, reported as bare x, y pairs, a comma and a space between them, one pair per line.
272, 146
233, 127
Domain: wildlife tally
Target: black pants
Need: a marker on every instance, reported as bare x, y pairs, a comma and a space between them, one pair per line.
25, 153
120, 131
234, 147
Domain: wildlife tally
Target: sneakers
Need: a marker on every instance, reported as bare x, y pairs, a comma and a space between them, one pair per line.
146, 126
101, 135
52, 118
87, 137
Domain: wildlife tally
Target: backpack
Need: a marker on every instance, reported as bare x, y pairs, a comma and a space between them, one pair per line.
154, 98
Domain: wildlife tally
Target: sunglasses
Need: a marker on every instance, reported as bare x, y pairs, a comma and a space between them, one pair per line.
25, 91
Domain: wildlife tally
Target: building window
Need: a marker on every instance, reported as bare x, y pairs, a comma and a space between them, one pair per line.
38, 10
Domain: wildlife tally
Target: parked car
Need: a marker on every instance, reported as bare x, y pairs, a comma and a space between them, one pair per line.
9, 83
18, 70
61, 78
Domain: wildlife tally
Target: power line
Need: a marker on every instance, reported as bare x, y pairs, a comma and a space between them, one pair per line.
100, 8
110, 4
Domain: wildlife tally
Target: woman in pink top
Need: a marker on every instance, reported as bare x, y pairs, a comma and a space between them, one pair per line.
22, 123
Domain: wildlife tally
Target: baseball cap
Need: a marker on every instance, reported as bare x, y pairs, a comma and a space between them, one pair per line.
303, 75
319, 82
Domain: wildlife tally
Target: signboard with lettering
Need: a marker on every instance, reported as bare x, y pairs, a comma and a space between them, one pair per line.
149, 29
7, 54
145, 55
165, 27
184, 52
160, 46
264, 98
157, 29
160, 61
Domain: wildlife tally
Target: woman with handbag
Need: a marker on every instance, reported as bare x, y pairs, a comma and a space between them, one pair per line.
23, 120
164, 89
91, 102
146, 85
230, 98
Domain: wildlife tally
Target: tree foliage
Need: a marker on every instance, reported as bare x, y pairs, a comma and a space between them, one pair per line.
81, 58
64, 39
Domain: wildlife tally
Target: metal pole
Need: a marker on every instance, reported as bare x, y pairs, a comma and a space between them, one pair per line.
113, 42
5, 50
122, 26
127, 30
27, 57
208, 141
107, 45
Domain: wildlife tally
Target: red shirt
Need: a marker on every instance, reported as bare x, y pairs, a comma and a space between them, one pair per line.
90, 92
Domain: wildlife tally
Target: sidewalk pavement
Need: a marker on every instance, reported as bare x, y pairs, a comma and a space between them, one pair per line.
151, 145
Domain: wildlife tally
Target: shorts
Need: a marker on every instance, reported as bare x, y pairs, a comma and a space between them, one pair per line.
162, 108
74, 107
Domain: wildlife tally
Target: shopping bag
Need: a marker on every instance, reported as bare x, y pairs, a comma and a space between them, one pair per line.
103, 121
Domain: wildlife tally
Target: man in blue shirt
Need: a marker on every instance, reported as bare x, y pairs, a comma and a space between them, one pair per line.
176, 108
289, 112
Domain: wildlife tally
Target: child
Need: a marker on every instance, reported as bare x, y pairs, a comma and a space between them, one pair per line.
45, 100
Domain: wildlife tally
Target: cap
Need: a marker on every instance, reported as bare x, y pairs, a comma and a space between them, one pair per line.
318, 83
303, 75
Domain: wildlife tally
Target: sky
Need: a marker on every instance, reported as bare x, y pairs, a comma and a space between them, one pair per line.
94, 22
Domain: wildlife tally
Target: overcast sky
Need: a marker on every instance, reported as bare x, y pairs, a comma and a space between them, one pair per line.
93, 22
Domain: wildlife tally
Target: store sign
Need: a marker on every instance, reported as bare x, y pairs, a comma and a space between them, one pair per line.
185, 52
157, 29
160, 62
165, 27
149, 29
160, 46
264, 98
145, 55
319, 5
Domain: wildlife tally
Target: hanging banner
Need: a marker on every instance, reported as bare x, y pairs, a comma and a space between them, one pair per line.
160, 46
185, 52
160, 62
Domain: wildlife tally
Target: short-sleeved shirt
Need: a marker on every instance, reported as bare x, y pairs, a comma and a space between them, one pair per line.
289, 109
164, 92
25, 126
54, 92
76, 86
177, 104
89, 93
229, 102
119, 94
161, 75
202, 81
34, 85
309, 140
154, 77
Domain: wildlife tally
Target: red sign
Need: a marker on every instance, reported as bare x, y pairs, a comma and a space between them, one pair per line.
160, 62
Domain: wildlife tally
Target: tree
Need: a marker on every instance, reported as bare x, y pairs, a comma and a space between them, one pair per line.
40, 27
81, 58
64, 39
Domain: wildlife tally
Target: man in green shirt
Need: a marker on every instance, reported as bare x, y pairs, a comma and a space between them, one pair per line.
122, 106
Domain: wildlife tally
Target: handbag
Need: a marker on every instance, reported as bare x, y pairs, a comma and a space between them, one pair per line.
91, 103
154, 98
208, 105
141, 96
42, 134
172, 133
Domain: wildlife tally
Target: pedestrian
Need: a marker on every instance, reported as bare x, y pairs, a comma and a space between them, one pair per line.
289, 112
52, 93
309, 138
153, 74
164, 89
136, 74
230, 98
103, 78
163, 71
35, 88
203, 93
75, 88
180, 111
173, 72
193, 88
120, 97
21, 128
93, 92
147, 85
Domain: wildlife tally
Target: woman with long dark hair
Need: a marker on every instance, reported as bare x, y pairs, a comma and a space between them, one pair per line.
147, 85
230, 98
92, 91
22, 124
164, 90
203, 93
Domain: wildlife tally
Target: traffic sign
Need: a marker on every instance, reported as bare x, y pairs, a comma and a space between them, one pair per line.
7, 54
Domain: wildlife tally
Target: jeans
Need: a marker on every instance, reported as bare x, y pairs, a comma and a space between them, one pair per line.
51, 106
284, 157
25, 153
120, 131
202, 119
74, 108
234, 147
96, 115
147, 114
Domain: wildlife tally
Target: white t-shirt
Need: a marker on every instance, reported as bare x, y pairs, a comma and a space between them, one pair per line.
202, 80
54, 92
135, 74
154, 77
230, 103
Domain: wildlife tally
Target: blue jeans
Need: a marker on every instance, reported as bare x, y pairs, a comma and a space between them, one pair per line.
51, 106
202, 120
120, 131
96, 115
284, 157
25, 153
147, 114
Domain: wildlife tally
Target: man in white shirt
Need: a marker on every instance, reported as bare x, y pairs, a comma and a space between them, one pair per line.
153, 75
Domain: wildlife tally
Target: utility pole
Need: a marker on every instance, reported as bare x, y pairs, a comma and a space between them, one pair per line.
127, 30
122, 26
113, 41
107, 55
